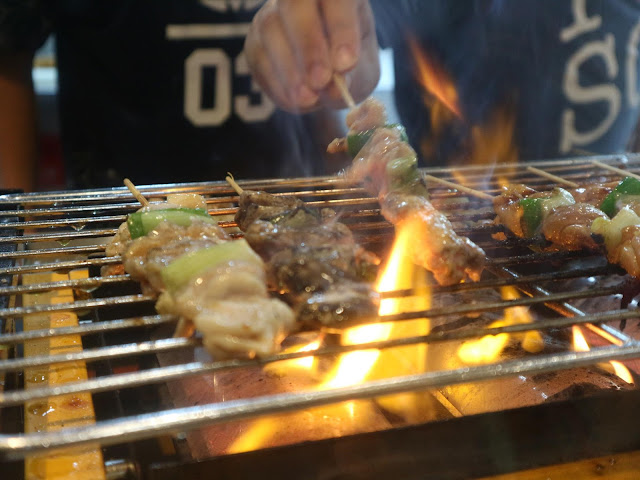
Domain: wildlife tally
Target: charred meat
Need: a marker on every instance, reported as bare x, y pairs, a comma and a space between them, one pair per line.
312, 259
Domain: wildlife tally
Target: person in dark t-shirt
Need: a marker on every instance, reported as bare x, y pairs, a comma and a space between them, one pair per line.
155, 90
566, 69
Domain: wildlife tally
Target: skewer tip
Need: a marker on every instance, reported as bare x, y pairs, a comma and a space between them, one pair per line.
232, 181
135, 192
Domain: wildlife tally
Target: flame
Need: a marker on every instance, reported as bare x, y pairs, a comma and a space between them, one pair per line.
580, 344
357, 367
434, 78
488, 348
399, 273
304, 363
492, 142
623, 372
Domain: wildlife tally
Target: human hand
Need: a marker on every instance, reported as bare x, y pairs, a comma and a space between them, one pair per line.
295, 46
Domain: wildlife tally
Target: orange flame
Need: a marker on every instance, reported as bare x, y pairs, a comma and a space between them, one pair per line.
399, 273
434, 78
490, 143
488, 348
357, 367
580, 344
303, 363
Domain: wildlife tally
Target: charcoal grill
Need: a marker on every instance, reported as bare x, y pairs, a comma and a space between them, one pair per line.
47, 233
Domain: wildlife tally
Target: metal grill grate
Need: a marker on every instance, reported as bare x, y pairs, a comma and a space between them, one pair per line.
54, 232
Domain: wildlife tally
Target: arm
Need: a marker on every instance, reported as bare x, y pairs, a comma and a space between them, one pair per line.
295, 46
18, 138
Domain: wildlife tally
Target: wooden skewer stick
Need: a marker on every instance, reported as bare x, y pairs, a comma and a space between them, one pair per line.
462, 188
136, 193
553, 177
615, 169
340, 82
231, 181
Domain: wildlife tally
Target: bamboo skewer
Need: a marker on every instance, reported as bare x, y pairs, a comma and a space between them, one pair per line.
231, 181
615, 169
553, 177
462, 188
136, 193
338, 79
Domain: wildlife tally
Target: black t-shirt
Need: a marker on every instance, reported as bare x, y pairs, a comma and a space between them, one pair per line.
160, 91
567, 68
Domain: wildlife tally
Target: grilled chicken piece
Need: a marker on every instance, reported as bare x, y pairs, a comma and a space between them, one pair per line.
593, 194
369, 167
145, 257
570, 226
228, 302
230, 305
120, 241
436, 246
627, 252
366, 116
506, 206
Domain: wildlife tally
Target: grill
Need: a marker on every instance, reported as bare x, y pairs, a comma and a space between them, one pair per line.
45, 236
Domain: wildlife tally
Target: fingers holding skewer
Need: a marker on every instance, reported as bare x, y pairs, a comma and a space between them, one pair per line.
294, 47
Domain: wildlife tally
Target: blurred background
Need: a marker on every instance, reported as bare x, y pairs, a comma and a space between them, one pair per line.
51, 172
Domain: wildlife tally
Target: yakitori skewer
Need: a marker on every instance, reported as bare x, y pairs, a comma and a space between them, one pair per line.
611, 168
460, 188
553, 177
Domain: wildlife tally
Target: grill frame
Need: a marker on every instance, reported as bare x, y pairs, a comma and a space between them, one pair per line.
75, 206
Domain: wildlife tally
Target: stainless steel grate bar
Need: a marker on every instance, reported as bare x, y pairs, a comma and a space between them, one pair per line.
175, 372
85, 329
77, 305
81, 284
60, 252
58, 266
104, 353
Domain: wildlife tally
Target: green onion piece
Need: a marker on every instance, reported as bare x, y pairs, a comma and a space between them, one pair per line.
141, 223
611, 230
404, 176
192, 264
559, 198
356, 141
628, 187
